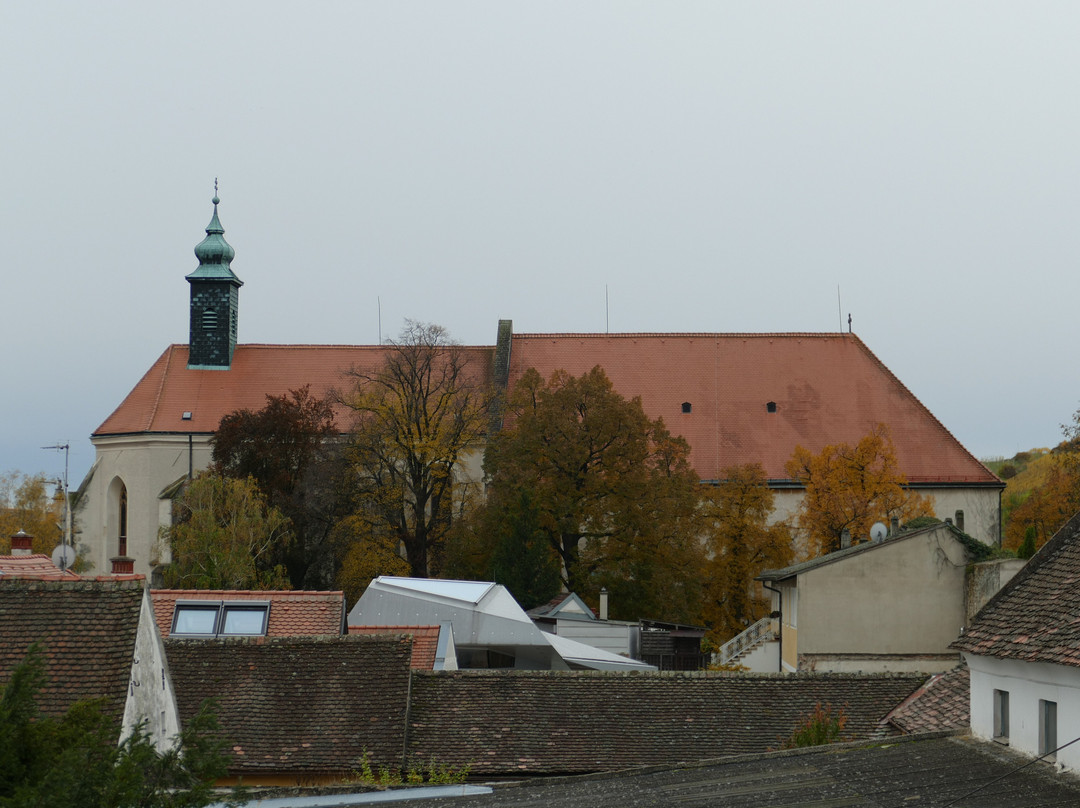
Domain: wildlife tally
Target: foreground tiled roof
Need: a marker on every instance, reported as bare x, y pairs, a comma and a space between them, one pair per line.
169, 388
919, 771
559, 722
1036, 616
88, 629
292, 613
827, 388
425, 641
36, 565
299, 704
944, 702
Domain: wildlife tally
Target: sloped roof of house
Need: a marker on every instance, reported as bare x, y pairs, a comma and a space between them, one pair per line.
538, 722
977, 551
827, 388
87, 629
36, 565
169, 389
299, 704
425, 641
942, 703
1035, 617
292, 612
922, 770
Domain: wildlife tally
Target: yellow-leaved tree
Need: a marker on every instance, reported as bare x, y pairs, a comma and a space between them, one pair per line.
741, 544
851, 487
25, 505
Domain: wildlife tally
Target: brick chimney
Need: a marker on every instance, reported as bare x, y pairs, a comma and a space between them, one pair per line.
22, 544
123, 565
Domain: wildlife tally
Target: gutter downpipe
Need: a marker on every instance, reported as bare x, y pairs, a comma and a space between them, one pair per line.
780, 620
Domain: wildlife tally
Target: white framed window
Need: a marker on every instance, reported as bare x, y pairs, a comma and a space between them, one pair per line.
1047, 728
1001, 716
220, 618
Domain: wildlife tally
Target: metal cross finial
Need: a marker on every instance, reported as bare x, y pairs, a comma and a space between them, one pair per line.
849, 322
215, 186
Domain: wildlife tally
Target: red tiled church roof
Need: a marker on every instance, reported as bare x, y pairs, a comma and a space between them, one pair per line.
827, 388
169, 389
292, 613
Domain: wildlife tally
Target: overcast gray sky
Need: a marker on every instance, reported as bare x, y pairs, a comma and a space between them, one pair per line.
713, 166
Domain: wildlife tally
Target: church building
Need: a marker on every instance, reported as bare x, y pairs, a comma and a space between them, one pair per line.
736, 398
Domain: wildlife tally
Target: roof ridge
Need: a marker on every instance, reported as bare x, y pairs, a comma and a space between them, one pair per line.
934, 419
707, 334
161, 387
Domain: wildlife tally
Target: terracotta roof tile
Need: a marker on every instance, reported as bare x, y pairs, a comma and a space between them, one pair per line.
943, 703
37, 565
169, 388
561, 722
88, 629
292, 612
299, 704
425, 641
1035, 617
827, 388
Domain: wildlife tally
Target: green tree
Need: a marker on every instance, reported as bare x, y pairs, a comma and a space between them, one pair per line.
224, 536
524, 561
851, 487
741, 544
58, 761
614, 492
288, 448
418, 417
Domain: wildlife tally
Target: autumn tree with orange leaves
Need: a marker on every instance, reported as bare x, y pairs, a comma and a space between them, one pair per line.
741, 544
851, 487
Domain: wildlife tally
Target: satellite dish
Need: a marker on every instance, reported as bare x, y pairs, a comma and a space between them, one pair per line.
63, 556
879, 531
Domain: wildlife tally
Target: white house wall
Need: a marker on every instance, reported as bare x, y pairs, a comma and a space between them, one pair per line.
1026, 683
905, 597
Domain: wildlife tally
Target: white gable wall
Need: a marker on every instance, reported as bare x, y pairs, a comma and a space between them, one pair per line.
151, 699
145, 464
1026, 683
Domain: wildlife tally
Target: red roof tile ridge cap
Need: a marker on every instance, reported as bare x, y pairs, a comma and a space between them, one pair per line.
161, 387
700, 334
166, 355
336, 345
881, 365
281, 592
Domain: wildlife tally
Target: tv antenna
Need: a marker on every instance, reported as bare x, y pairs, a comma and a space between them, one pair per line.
66, 448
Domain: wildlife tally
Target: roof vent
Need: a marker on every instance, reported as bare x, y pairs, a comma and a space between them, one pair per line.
686, 406
771, 406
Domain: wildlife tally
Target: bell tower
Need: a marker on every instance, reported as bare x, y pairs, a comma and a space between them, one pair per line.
215, 296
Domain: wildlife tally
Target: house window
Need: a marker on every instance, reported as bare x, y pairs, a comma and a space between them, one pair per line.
216, 618
1001, 716
1047, 728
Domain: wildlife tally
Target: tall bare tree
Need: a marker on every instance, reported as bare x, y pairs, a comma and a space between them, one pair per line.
418, 417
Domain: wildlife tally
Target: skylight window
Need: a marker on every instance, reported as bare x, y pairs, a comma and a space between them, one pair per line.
220, 618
